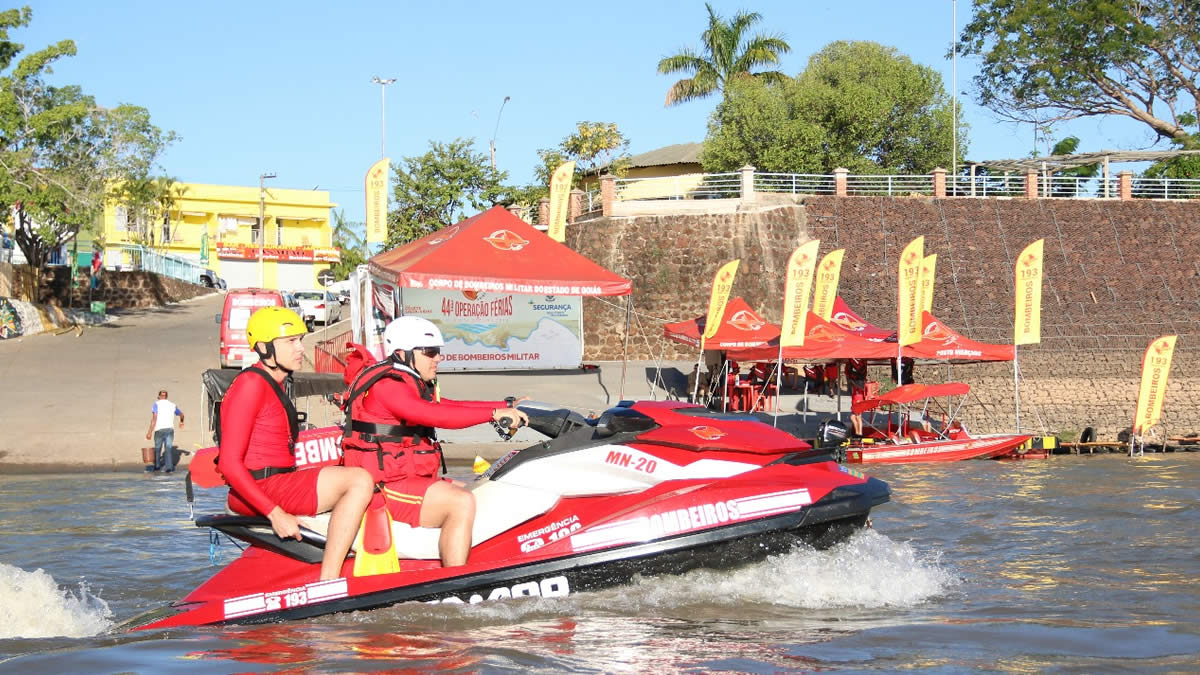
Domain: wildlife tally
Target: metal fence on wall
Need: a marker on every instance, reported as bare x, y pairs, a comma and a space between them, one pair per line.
730, 186
134, 257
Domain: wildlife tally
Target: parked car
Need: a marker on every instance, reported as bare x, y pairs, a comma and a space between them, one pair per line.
319, 306
240, 303
210, 279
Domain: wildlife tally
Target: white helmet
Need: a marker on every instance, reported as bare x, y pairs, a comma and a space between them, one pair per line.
411, 332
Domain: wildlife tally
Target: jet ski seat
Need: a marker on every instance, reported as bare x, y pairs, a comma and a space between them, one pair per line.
498, 507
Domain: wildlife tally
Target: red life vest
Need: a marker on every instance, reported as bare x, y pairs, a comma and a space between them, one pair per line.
383, 445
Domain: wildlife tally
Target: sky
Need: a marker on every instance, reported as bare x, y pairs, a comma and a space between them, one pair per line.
257, 87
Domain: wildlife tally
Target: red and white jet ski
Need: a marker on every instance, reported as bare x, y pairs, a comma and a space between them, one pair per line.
647, 488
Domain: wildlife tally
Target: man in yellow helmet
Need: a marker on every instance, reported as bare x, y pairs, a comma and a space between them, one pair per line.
259, 426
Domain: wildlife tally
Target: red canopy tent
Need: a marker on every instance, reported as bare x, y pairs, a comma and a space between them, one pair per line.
848, 319
740, 327
498, 252
939, 342
822, 341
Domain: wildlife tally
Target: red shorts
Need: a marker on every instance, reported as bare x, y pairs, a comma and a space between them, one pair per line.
857, 395
406, 496
294, 492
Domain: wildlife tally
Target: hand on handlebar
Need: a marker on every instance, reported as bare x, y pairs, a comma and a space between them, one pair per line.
515, 417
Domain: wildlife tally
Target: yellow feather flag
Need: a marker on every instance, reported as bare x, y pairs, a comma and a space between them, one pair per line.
908, 274
796, 291
722, 284
925, 282
375, 186
560, 187
1156, 365
829, 272
1027, 276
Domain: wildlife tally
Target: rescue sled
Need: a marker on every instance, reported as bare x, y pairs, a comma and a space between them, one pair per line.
647, 488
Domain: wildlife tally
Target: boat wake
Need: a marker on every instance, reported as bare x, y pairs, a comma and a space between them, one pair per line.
867, 571
35, 606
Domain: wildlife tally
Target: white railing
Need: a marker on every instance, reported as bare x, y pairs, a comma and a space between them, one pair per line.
591, 201
686, 186
794, 183
890, 185
1011, 185
133, 257
729, 186
1166, 188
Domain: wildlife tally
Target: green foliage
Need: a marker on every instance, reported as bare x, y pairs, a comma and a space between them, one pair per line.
1068, 59
350, 243
149, 201
440, 188
1182, 166
594, 146
60, 152
859, 105
728, 53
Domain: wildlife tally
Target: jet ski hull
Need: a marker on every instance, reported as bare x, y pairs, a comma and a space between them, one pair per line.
657, 491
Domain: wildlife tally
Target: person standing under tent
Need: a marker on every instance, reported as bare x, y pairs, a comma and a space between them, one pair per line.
856, 379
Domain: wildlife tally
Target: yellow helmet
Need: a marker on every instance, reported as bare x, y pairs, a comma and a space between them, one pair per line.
269, 323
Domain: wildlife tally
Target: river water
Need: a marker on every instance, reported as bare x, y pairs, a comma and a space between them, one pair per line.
1074, 563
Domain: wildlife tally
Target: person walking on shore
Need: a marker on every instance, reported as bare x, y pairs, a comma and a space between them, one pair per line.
162, 429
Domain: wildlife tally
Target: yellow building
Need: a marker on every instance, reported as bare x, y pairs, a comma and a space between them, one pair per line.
217, 227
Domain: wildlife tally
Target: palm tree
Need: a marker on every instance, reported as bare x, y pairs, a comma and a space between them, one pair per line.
727, 54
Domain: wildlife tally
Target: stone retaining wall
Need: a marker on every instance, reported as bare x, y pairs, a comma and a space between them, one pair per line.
1118, 274
118, 290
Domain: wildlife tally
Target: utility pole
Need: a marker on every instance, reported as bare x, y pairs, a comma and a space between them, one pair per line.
262, 221
492, 143
954, 97
383, 83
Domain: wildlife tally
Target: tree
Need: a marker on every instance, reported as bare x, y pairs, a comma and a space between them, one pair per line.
60, 153
434, 190
1061, 189
149, 201
858, 105
1181, 166
728, 53
594, 146
350, 243
1133, 58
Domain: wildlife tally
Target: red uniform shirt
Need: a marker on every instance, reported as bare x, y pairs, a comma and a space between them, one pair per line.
401, 400
254, 435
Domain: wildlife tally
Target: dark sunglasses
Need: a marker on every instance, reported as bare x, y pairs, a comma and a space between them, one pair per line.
431, 352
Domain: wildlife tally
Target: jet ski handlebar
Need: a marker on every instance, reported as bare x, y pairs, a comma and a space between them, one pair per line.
547, 419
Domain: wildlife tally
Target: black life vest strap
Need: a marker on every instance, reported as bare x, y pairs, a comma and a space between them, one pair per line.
288, 406
289, 409
379, 434
269, 471
372, 432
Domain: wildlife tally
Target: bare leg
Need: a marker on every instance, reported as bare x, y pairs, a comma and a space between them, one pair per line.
453, 509
346, 490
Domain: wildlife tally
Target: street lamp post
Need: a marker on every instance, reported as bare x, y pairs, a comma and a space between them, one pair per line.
383, 83
492, 143
262, 221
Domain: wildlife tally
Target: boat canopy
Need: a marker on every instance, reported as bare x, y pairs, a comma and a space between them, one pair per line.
911, 392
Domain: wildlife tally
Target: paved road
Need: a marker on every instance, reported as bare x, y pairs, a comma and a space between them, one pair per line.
83, 402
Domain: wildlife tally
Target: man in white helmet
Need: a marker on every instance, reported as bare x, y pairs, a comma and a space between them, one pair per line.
393, 408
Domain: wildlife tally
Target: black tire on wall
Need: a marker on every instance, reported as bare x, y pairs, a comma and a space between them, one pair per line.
1088, 435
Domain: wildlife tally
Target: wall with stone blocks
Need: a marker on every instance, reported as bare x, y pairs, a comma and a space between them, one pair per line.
128, 290
1118, 274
